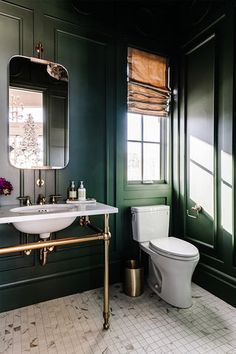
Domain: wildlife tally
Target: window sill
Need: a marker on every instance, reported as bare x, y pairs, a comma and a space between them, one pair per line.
133, 186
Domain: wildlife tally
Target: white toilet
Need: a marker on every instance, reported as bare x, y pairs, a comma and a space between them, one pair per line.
172, 260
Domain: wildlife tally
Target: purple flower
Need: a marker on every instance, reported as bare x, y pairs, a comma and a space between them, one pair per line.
5, 186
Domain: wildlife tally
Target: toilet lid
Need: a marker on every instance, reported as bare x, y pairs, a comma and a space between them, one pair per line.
173, 246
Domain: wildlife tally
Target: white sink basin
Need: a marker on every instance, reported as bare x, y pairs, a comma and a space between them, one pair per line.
44, 226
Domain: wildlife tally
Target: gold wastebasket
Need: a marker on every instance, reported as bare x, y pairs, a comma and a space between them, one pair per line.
133, 280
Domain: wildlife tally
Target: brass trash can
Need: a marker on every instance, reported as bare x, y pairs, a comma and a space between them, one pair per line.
133, 281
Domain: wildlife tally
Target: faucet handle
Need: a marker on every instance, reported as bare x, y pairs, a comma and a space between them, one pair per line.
25, 200
54, 198
41, 199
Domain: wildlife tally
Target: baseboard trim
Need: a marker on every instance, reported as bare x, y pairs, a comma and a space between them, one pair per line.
49, 276
38, 289
218, 283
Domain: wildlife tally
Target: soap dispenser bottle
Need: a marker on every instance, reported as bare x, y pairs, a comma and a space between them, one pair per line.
81, 191
72, 191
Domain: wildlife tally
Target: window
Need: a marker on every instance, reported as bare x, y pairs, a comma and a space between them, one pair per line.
146, 148
147, 122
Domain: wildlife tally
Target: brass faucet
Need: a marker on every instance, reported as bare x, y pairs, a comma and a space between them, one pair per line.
41, 199
25, 200
54, 198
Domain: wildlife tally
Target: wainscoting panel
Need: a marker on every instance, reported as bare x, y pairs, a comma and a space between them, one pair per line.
206, 113
200, 123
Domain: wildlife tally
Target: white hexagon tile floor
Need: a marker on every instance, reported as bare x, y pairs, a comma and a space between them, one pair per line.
145, 324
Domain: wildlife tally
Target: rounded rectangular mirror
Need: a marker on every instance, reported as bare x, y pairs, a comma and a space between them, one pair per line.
38, 114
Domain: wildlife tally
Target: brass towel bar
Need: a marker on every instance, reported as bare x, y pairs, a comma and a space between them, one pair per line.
50, 243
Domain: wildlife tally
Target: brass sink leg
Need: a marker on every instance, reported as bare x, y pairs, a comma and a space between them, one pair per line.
107, 237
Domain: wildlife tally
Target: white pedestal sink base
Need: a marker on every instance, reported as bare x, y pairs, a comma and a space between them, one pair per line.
44, 236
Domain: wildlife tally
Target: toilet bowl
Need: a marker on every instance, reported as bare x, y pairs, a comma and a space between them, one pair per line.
171, 260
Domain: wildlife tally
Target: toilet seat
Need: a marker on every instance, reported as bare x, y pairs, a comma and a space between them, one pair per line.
173, 247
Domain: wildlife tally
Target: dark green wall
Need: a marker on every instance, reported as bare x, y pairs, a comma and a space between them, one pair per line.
92, 45
91, 39
205, 110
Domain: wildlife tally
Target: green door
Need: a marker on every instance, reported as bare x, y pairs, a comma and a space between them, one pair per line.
201, 139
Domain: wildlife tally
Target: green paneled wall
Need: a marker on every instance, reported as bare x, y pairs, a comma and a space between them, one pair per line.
93, 47
206, 112
94, 53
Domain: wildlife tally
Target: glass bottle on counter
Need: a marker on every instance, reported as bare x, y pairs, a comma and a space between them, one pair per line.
81, 191
72, 191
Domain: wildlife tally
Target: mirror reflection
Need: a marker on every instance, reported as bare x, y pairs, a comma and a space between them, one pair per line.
38, 114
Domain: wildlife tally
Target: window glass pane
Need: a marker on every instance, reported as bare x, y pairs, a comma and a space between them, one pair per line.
134, 126
134, 162
167, 147
151, 162
151, 128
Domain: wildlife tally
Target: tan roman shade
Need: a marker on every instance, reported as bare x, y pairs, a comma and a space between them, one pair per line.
148, 91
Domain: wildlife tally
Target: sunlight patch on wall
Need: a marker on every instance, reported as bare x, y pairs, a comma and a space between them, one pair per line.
202, 188
201, 178
202, 153
226, 192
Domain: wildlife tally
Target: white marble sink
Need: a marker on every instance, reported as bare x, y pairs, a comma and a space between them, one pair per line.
43, 226
43, 219
46, 208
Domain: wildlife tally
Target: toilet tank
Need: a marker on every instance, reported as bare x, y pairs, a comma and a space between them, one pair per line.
150, 222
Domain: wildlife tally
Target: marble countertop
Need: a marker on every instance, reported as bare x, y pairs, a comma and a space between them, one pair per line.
69, 210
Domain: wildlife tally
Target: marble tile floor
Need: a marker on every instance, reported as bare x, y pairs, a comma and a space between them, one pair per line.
145, 324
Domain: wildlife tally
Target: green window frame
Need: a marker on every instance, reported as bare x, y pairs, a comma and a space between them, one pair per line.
147, 153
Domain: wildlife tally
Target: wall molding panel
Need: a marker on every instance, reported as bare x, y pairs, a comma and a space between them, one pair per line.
89, 57
205, 132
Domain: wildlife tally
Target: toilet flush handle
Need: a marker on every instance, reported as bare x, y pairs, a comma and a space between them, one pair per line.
197, 209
